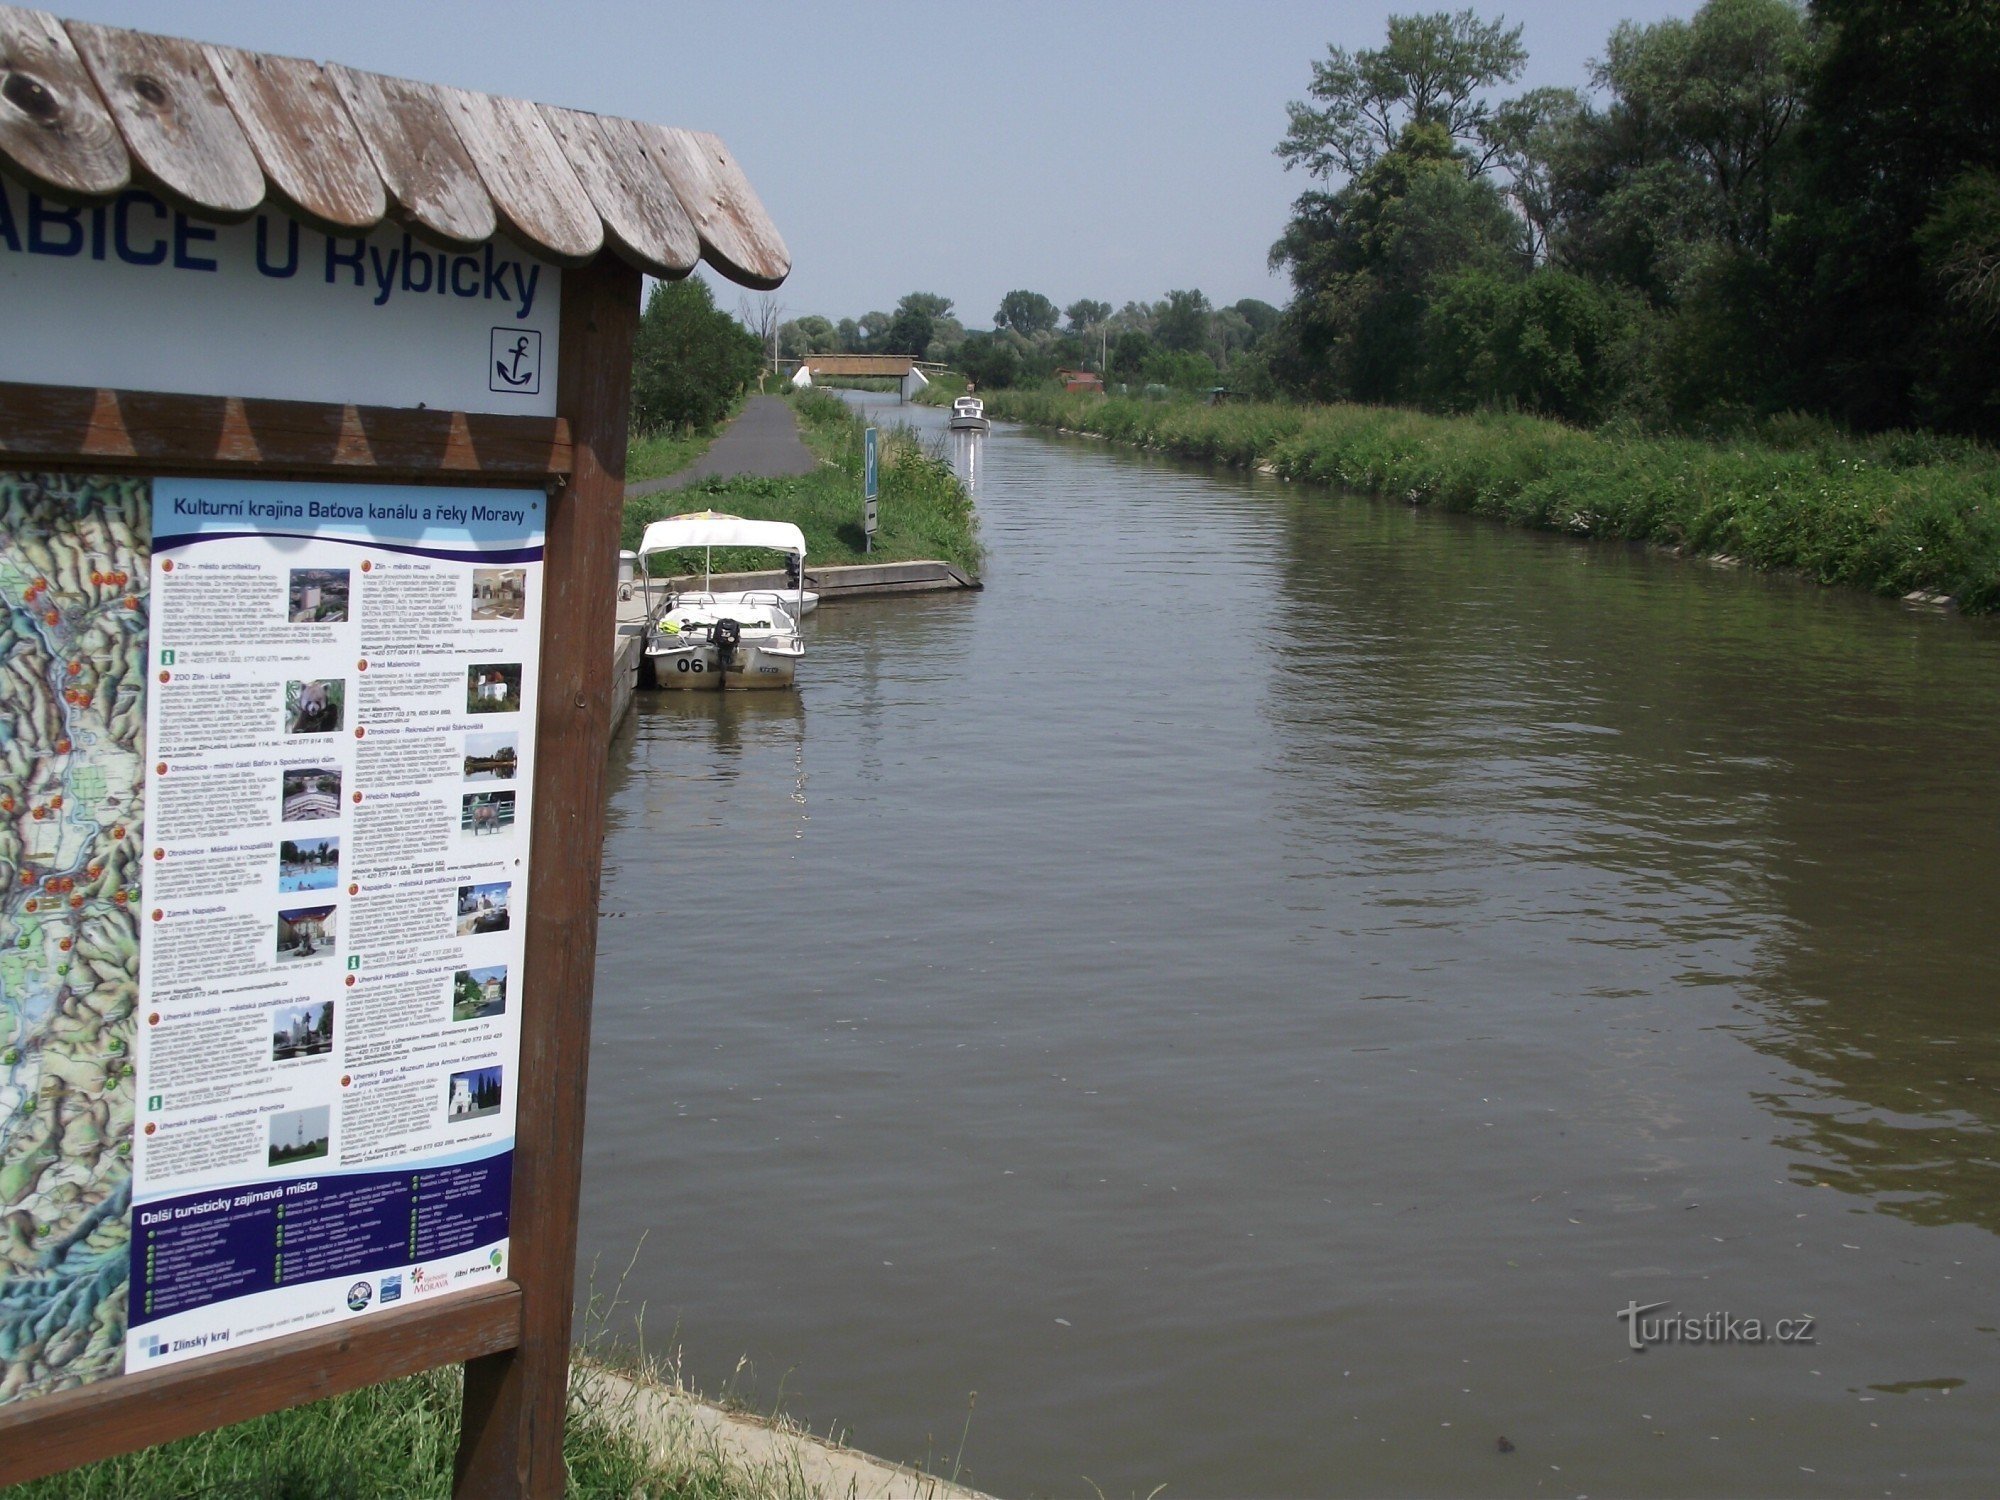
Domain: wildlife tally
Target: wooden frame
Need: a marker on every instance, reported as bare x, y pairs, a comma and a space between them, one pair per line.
119, 431
513, 1335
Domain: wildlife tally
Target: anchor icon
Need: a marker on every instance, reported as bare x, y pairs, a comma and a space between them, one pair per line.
509, 369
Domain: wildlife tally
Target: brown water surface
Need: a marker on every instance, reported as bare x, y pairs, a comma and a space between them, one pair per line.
1254, 993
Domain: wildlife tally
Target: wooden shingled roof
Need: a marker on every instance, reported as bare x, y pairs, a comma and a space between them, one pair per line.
87, 111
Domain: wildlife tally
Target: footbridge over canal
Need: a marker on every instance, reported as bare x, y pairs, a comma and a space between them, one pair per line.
873, 366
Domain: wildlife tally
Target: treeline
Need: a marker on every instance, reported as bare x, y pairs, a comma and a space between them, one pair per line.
1764, 208
1760, 208
1180, 341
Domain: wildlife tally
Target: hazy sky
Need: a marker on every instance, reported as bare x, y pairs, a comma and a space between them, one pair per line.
1081, 150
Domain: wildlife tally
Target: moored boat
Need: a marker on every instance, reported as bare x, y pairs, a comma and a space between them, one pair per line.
696, 638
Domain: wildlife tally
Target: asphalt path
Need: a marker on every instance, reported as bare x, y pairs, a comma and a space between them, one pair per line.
764, 442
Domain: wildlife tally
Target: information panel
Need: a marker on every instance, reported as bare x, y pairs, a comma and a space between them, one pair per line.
338, 764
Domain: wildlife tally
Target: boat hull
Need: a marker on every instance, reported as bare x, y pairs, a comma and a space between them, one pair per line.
696, 668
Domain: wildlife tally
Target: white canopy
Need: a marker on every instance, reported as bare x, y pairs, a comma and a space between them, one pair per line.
708, 528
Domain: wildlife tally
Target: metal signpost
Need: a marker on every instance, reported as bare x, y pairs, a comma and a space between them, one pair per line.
870, 487
310, 487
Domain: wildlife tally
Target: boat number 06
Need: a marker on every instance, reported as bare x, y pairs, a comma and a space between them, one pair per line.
690, 664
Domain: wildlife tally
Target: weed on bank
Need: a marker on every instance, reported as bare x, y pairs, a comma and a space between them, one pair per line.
1898, 513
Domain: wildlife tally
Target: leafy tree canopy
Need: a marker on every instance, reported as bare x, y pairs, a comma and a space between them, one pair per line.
1182, 323
1027, 313
1085, 313
1432, 72
689, 359
1260, 316
929, 304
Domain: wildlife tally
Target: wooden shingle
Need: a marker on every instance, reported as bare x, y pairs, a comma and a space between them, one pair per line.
87, 111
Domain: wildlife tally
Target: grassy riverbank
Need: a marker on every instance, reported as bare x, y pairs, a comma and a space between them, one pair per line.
396, 1442
1897, 514
922, 511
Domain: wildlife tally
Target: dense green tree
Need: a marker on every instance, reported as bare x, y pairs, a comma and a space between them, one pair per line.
1553, 343
989, 360
1525, 137
873, 332
1260, 316
689, 359
1027, 313
1690, 155
914, 324
811, 334
1433, 71
1182, 323
1130, 349
1364, 261
1086, 314
1905, 117
1960, 243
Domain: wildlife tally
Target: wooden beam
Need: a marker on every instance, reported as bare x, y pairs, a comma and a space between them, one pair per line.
47, 1434
510, 1434
162, 433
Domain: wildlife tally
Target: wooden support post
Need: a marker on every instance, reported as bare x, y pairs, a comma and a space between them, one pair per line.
510, 1439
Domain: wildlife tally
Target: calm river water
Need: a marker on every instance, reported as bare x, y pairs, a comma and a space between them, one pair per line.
1256, 991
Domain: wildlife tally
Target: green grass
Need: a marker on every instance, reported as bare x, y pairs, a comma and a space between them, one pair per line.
659, 454
922, 511
396, 1442
387, 1442
1898, 513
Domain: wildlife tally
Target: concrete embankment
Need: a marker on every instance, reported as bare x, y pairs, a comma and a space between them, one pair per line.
789, 1460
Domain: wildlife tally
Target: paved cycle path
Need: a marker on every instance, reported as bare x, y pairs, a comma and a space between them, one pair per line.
763, 441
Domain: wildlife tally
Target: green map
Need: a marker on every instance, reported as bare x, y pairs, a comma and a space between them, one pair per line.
74, 578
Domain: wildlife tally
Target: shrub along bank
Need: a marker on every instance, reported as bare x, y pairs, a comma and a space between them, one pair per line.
1898, 513
922, 512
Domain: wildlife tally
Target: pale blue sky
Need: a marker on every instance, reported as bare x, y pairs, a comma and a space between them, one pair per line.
1107, 150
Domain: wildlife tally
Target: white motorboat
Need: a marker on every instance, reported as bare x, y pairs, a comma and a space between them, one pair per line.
696, 638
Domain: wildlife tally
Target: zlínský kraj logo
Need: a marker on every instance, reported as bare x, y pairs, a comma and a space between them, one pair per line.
1646, 1324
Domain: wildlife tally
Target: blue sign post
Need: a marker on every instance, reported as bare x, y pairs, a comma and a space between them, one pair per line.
869, 488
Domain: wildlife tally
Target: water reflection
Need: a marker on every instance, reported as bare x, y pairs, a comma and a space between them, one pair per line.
1730, 759
1254, 991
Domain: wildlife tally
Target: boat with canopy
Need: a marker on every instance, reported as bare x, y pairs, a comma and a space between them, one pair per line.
696, 638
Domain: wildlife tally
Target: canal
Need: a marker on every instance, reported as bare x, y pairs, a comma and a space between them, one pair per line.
1254, 993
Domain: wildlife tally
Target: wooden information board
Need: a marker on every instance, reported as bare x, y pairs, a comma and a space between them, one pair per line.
312, 439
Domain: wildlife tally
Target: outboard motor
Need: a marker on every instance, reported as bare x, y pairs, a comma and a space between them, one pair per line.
725, 635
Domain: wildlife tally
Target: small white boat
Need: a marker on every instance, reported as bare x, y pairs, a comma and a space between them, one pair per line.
696, 638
